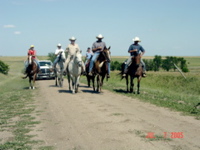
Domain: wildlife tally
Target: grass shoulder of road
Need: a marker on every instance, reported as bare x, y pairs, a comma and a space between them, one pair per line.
165, 89
17, 111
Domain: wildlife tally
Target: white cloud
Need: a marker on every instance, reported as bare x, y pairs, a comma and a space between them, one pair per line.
9, 26
17, 32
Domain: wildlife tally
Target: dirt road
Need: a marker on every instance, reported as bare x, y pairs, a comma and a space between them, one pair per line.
108, 121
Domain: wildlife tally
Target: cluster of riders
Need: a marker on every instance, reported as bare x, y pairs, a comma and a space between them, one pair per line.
97, 60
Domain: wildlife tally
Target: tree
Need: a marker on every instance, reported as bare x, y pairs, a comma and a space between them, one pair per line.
52, 56
115, 65
167, 63
149, 64
4, 68
157, 61
183, 64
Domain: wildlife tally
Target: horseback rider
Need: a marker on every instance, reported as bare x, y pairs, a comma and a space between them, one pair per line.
89, 54
97, 48
133, 49
59, 52
71, 50
31, 52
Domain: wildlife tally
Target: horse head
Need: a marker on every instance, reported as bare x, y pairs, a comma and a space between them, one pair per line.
78, 59
107, 53
136, 59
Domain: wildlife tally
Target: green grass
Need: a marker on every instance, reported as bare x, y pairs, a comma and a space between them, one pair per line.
17, 109
165, 89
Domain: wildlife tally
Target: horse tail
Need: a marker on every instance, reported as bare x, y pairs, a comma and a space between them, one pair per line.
25, 77
122, 71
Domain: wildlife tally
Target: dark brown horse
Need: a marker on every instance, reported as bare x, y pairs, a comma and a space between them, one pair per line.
100, 69
134, 71
31, 72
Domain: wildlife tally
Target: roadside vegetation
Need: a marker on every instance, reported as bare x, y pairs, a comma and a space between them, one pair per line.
4, 68
164, 88
17, 110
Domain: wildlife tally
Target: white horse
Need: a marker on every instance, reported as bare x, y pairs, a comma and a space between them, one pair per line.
58, 70
74, 71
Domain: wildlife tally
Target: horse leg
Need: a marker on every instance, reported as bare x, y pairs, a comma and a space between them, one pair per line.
77, 84
88, 80
93, 83
132, 85
61, 78
30, 84
34, 77
138, 85
56, 76
73, 85
98, 83
127, 84
69, 84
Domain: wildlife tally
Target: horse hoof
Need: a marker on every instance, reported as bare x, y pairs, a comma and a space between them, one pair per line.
138, 92
33, 88
30, 88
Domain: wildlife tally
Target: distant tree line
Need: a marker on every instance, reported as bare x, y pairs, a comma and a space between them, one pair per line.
158, 63
154, 64
166, 63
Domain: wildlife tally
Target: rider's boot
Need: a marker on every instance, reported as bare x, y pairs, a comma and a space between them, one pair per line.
125, 70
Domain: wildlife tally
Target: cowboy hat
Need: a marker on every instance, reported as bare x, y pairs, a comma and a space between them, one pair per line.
32, 46
136, 39
59, 44
72, 38
99, 36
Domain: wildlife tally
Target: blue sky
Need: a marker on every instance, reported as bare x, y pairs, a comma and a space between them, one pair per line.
166, 27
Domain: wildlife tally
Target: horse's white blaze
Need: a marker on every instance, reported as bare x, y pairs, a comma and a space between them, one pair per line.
30, 60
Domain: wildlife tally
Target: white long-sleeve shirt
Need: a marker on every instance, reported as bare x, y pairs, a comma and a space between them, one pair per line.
60, 50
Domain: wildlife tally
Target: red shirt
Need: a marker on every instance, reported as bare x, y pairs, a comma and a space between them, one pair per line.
32, 52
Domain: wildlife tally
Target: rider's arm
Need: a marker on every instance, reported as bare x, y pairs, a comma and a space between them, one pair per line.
95, 49
142, 51
130, 50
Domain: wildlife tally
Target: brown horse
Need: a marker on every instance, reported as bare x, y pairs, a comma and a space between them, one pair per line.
100, 69
134, 71
31, 72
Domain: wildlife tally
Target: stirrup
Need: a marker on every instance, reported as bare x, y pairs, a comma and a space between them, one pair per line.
90, 73
144, 75
124, 75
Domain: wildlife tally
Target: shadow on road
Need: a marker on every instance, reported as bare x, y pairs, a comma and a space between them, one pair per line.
64, 91
120, 90
91, 91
